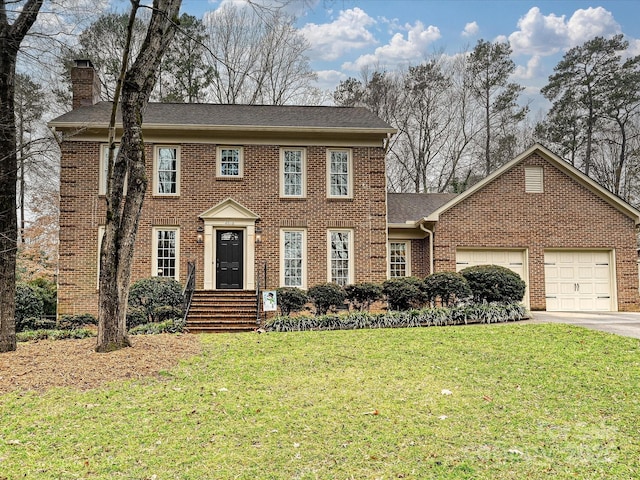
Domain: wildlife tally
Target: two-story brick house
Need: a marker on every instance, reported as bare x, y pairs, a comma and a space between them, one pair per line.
296, 196
296, 192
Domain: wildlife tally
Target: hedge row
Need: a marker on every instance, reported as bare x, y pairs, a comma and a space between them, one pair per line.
440, 316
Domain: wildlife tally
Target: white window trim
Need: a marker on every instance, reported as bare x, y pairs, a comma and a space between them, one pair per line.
303, 151
156, 182
304, 255
101, 232
154, 250
103, 173
351, 274
349, 173
219, 161
407, 244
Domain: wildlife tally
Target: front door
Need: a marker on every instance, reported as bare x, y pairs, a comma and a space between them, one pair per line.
229, 255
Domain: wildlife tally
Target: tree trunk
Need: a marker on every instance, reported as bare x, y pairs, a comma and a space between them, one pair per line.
11, 37
123, 213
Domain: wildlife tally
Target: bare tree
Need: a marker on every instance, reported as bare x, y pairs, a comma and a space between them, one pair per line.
123, 213
14, 26
258, 57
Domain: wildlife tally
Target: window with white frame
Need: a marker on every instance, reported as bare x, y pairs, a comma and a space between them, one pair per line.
340, 257
293, 258
166, 248
104, 168
229, 163
293, 176
166, 180
399, 265
339, 173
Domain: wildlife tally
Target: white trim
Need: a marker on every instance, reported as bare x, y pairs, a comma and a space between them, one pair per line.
101, 231
303, 231
351, 251
219, 150
407, 246
154, 249
349, 153
303, 153
156, 182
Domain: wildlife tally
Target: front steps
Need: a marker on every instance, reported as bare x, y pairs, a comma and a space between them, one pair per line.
216, 311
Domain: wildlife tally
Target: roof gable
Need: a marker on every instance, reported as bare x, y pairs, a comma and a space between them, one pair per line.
561, 165
229, 209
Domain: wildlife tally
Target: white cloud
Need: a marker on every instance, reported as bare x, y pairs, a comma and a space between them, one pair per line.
399, 50
539, 34
329, 79
348, 32
546, 35
471, 29
586, 24
533, 69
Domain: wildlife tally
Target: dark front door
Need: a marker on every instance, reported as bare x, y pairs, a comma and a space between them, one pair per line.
229, 253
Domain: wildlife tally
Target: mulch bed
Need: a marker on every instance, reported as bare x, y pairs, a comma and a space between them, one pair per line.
45, 364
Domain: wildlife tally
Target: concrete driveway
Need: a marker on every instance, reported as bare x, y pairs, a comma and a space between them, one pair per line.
625, 324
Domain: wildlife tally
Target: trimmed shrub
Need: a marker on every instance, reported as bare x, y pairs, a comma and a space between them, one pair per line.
404, 293
291, 299
136, 316
29, 306
492, 283
149, 294
167, 326
70, 322
449, 287
326, 296
362, 295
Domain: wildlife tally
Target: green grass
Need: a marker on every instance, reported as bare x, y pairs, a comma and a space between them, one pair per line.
527, 401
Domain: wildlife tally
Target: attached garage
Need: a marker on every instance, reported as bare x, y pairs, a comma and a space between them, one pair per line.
513, 259
579, 280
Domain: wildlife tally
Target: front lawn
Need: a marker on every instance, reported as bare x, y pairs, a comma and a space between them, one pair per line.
490, 401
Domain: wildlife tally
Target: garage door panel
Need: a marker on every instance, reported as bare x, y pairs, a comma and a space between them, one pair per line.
578, 280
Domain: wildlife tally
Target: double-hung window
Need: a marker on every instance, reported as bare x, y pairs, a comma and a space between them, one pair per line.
293, 172
293, 258
166, 180
339, 173
230, 162
399, 259
341, 257
166, 248
104, 168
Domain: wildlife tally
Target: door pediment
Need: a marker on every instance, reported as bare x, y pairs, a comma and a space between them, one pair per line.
229, 209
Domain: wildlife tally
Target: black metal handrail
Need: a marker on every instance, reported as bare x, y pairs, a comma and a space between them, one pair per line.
189, 287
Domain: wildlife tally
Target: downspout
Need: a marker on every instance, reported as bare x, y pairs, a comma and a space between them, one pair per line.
430, 233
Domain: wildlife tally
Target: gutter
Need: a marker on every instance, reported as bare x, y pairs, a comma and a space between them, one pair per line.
422, 226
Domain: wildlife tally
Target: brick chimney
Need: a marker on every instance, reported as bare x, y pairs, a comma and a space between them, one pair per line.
85, 84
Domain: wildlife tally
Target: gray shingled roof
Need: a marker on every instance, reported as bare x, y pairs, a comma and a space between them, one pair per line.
214, 115
403, 207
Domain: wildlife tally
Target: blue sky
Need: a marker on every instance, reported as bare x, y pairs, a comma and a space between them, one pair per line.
349, 35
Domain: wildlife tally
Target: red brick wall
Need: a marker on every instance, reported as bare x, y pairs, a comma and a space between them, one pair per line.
82, 211
566, 215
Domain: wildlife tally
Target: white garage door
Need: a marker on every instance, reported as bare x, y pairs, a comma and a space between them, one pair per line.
578, 281
514, 260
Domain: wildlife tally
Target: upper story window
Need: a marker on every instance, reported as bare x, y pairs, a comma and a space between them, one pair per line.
293, 165
104, 168
229, 163
339, 174
166, 178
